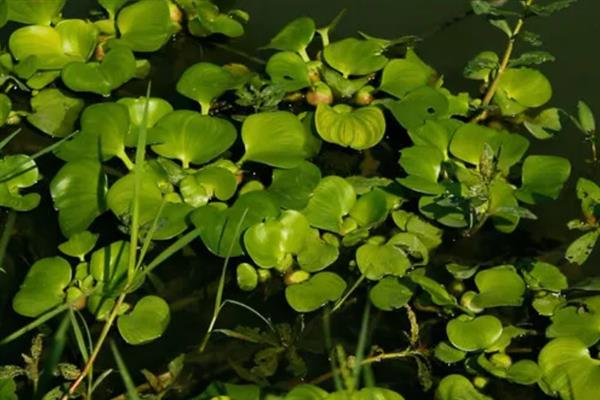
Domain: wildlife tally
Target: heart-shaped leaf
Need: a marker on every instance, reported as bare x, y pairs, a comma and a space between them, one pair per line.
221, 229
332, 199
543, 178
499, 286
157, 108
269, 243
401, 76
146, 322
43, 288
568, 369
314, 293
145, 25
293, 187
288, 71
376, 261
473, 333
34, 12
104, 127
355, 56
316, 254
580, 321
191, 137
359, 129
78, 191
117, 68
54, 112
204, 82
275, 138
390, 294
120, 197
18, 172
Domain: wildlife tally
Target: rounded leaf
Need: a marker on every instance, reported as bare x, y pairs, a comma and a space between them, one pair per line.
499, 286
353, 56
295, 36
472, 334
43, 288
401, 76
314, 293
359, 129
528, 87
54, 113
332, 199
390, 294
145, 25
146, 322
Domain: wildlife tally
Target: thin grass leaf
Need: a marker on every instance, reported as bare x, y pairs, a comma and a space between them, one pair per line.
10, 137
129, 385
362, 343
35, 323
81, 345
100, 379
252, 310
9, 225
172, 249
149, 235
329, 346
140, 156
53, 356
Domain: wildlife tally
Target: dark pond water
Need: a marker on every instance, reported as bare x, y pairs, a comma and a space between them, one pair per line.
572, 36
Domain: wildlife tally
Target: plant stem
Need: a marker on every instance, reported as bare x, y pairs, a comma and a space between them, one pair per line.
103, 335
491, 91
369, 360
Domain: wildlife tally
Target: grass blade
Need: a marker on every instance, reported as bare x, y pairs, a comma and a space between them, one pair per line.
129, 385
10, 137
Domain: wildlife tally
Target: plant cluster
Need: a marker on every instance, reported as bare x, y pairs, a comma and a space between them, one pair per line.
169, 179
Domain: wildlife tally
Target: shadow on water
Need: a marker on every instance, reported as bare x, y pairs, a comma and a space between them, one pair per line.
182, 281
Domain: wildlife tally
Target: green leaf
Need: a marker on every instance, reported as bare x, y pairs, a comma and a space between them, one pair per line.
41, 46
246, 277
569, 370
332, 199
157, 108
210, 21
295, 36
371, 208
481, 66
204, 82
401, 76
18, 172
288, 71
108, 266
34, 12
78, 37
448, 354
579, 251
355, 56
54, 113
316, 254
359, 128
545, 124
270, 243
173, 221
524, 86
586, 117
43, 288
524, 372
376, 261
390, 294
8, 389
5, 108
314, 293
423, 165
191, 137
221, 229
79, 244
581, 321
145, 25
540, 275
543, 178
499, 286
531, 58
121, 194
438, 293
209, 182
146, 322
457, 387
419, 106
305, 391
104, 127
112, 6
473, 333
275, 138
293, 187
117, 68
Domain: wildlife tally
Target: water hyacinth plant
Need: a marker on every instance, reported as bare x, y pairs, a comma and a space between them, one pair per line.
267, 197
